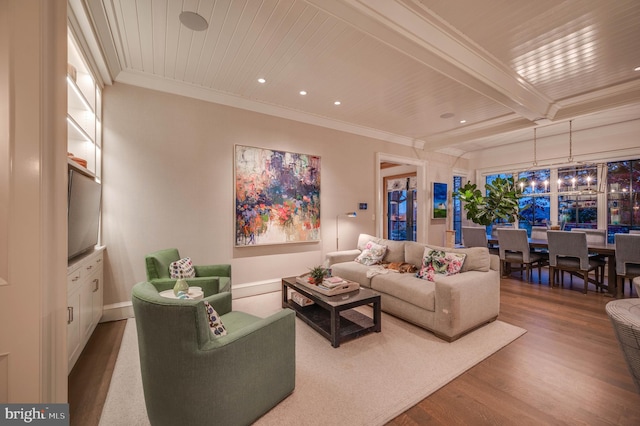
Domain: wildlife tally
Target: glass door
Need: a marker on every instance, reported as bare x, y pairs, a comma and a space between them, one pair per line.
402, 207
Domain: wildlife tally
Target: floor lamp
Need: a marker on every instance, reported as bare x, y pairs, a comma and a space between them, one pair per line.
348, 214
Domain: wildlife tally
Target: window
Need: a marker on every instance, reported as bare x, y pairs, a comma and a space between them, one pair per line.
577, 197
457, 209
535, 206
623, 193
577, 191
402, 208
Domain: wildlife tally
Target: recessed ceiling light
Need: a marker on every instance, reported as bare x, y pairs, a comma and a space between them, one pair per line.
447, 115
463, 121
193, 21
636, 69
303, 92
337, 103
262, 81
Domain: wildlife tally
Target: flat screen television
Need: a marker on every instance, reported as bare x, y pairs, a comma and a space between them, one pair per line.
83, 213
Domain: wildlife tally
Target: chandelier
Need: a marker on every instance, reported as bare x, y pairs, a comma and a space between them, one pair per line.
574, 177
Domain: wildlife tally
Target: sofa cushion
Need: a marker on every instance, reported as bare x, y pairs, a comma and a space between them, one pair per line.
372, 254
395, 251
215, 323
182, 268
363, 239
408, 288
352, 271
413, 253
477, 257
440, 262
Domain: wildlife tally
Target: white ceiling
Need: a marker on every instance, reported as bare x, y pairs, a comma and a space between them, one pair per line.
504, 66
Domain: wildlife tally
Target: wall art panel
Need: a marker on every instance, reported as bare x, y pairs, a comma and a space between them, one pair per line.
277, 197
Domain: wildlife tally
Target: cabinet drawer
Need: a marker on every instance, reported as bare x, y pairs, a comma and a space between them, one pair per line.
74, 280
92, 265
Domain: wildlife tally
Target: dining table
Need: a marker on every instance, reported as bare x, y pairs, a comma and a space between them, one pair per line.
607, 250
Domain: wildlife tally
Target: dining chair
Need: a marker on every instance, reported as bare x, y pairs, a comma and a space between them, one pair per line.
568, 252
513, 246
539, 232
627, 260
475, 236
596, 237
495, 229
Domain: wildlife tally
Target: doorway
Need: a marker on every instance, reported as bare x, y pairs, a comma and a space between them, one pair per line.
389, 165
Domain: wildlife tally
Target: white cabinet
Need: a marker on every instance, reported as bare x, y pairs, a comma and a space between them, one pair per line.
84, 298
84, 145
73, 326
84, 112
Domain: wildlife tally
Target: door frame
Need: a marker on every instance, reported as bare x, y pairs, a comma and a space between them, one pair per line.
421, 171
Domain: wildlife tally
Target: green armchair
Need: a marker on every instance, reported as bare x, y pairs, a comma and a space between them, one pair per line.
212, 279
190, 377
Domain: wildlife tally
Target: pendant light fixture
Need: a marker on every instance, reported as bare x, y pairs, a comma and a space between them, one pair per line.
570, 159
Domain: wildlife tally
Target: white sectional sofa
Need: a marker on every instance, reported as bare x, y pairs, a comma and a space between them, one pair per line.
449, 307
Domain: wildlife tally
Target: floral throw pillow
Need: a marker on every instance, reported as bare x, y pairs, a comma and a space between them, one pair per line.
372, 254
182, 268
215, 323
440, 262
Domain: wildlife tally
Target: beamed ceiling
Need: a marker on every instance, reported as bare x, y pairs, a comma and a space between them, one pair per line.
396, 66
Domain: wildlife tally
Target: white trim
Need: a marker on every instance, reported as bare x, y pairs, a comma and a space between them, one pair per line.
123, 310
421, 165
255, 288
117, 311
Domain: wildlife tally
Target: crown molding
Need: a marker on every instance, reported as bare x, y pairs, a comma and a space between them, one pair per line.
83, 30
500, 125
611, 97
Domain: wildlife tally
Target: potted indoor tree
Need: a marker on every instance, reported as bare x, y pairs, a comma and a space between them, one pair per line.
500, 204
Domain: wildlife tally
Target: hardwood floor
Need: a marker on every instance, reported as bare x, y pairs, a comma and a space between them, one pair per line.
567, 368
90, 377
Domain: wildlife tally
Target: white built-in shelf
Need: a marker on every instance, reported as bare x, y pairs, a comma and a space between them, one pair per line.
84, 109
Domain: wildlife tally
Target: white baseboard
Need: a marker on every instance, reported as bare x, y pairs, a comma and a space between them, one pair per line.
124, 310
256, 288
117, 311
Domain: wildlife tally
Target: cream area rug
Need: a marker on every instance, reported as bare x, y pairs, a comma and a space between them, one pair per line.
366, 381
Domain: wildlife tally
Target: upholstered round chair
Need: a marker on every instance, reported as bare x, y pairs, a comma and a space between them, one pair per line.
625, 317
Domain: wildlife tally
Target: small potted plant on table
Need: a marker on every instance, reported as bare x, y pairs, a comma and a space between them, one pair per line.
317, 274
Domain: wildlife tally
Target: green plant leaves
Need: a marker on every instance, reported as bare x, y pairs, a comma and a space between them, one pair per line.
501, 204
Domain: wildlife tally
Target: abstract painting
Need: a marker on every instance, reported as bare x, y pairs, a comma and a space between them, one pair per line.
277, 197
439, 200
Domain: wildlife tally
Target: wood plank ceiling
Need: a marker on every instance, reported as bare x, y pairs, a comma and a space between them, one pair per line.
397, 67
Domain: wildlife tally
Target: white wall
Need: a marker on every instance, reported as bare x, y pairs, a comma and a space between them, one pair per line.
168, 182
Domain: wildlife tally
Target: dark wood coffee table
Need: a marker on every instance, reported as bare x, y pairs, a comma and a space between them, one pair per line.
334, 316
